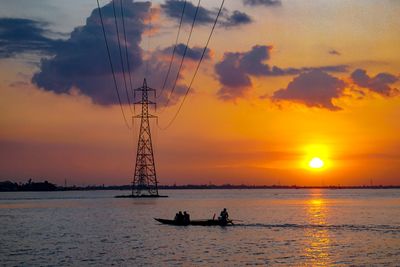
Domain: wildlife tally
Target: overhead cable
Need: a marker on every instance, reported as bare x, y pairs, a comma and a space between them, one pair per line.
126, 48
121, 58
111, 66
174, 50
183, 56
197, 69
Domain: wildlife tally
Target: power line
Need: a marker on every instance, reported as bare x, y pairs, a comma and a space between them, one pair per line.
111, 66
174, 50
121, 58
184, 54
197, 69
148, 39
126, 46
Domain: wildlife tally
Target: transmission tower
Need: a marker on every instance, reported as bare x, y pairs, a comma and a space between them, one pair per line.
145, 179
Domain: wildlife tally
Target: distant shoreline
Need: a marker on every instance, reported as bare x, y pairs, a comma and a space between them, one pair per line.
8, 186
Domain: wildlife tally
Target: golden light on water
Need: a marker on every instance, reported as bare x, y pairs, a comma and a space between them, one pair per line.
317, 246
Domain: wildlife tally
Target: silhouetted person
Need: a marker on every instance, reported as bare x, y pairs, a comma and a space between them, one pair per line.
179, 217
224, 216
186, 218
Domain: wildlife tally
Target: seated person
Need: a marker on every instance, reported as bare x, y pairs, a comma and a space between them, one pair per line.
186, 218
224, 216
179, 217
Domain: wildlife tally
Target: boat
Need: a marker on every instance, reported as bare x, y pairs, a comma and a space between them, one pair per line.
139, 196
195, 222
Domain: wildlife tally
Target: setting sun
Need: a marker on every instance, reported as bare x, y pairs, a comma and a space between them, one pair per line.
316, 163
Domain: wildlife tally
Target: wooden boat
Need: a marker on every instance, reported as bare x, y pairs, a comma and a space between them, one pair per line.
195, 222
140, 196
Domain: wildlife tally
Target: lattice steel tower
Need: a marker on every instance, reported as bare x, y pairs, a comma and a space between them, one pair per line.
145, 179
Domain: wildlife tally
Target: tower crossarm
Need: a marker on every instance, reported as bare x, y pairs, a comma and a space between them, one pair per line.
147, 102
148, 116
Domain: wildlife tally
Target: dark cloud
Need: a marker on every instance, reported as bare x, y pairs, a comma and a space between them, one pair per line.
193, 53
237, 18
316, 88
379, 84
81, 61
173, 9
234, 81
236, 69
252, 61
262, 2
24, 36
329, 68
313, 89
334, 52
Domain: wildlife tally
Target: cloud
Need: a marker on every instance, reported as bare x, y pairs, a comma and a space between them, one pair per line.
316, 88
262, 2
24, 36
379, 84
80, 63
234, 81
313, 89
329, 68
252, 61
334, 52
235, 70
237, 18
173, 9
193, 53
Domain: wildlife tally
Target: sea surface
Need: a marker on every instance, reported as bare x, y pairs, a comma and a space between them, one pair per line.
276, 227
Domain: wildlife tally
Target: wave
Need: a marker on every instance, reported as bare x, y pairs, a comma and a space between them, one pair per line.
348, 227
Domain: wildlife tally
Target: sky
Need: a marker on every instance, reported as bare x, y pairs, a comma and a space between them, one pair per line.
281, 83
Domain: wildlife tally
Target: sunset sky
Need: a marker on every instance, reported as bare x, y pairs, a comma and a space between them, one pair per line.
282, 82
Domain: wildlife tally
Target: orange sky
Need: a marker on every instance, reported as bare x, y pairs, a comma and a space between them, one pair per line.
251, 139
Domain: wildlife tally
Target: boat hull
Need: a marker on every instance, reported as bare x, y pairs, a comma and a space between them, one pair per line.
140, 196
195, 222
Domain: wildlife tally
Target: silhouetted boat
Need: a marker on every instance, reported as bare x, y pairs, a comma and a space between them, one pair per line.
139, 196
195, 222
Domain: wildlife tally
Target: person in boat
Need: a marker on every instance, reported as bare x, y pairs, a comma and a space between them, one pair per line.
186, 218
179, 217
224, 216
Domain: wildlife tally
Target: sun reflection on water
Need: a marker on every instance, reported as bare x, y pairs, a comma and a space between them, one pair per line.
317, 242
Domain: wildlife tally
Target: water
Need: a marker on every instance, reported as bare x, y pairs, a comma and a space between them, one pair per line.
279, 227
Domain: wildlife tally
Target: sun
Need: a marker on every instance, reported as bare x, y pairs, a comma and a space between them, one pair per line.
317, 158
316, 163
